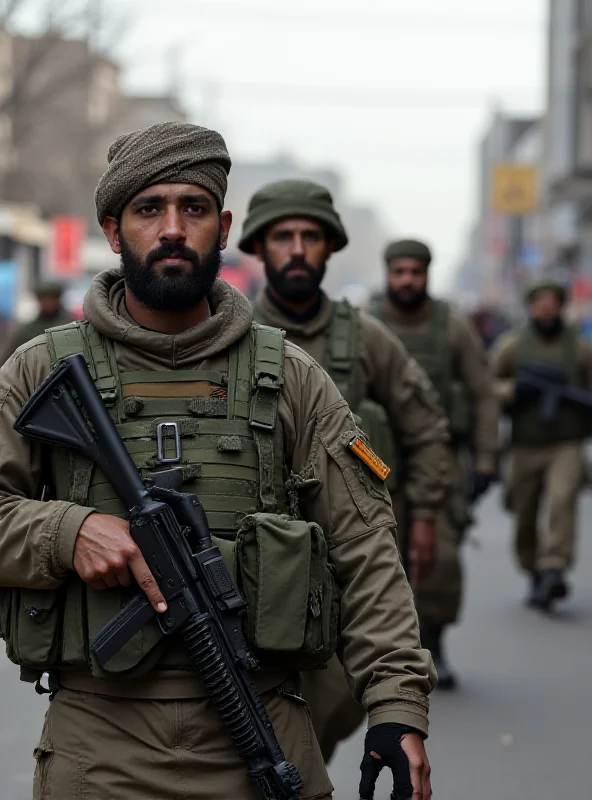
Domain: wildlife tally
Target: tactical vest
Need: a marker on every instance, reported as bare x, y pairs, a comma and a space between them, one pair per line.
221, 431
431, 349
569, 423
342, 363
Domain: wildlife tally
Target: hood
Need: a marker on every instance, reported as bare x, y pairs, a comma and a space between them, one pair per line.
311, 328
105, 309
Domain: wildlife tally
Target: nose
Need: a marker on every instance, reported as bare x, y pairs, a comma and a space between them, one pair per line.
173, 226
297, 248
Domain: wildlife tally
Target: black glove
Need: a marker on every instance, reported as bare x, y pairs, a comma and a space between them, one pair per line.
385, 741
480, 483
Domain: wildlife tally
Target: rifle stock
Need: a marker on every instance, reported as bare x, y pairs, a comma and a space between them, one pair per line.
204, 605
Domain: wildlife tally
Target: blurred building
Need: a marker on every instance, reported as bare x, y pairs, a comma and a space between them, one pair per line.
504, 243
568, 147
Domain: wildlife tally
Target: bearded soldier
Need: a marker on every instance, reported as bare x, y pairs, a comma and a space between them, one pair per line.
448, 348
264, 438
546, 457
51, 313
293, 227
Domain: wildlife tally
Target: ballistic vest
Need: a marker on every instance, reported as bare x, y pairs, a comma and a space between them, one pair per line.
431, 349
569, 423
219, 429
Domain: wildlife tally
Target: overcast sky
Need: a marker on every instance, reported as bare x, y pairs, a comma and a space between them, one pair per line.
393, 93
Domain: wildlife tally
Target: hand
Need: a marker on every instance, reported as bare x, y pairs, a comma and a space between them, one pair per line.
422, 549
395, 746
480, 483
104, 554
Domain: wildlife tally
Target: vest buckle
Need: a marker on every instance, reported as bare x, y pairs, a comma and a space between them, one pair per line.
167, 431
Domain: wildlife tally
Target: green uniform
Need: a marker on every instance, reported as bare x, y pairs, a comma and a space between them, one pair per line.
368, 364
447, 347
151, 730
545, 459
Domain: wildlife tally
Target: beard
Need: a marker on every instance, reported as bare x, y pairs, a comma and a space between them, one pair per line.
408, 299
295, 288
548, 328
173, 288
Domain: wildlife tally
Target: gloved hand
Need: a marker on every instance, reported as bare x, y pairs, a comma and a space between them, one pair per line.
400, 748
480, 483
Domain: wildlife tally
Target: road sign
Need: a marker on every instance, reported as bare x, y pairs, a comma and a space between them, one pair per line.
515, 189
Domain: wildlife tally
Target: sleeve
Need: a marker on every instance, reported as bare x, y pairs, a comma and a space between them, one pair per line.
386, 667
36, 538
474, 373
586, 347
401, 386
502, 368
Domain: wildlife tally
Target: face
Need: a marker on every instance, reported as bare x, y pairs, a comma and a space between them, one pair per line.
295, 252
407, 282
545, 311
49, 304
169, 238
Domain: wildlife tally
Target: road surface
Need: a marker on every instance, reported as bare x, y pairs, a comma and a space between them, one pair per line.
518, 728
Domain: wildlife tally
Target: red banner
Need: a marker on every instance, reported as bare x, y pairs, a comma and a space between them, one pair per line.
65, 252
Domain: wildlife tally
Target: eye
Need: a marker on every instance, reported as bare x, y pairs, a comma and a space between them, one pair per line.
146, 210
195, 209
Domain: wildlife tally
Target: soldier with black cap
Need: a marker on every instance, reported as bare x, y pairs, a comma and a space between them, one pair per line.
293, 227
546, 459
448, 348
51, 313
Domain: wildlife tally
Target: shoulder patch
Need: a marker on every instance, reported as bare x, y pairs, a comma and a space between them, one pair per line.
368, 457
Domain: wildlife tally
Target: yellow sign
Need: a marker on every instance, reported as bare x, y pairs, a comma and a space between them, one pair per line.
369, 457
515, 189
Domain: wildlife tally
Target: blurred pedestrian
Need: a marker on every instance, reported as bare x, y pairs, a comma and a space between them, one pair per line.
50, 313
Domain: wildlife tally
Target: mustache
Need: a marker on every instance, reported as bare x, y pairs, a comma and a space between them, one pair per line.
172, 250
298, 263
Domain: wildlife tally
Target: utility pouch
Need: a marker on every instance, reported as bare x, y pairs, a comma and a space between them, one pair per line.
284, 572
33, 626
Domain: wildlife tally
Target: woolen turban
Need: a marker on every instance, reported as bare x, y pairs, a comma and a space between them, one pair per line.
545, 284
291, 198
168, 152
408, 248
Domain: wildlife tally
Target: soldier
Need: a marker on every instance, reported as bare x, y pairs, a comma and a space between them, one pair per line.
545, 457
448, 348
293, 228
51, 313
168, 341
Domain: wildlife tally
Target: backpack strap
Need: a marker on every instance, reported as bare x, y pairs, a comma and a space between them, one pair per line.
267, 371
342, 351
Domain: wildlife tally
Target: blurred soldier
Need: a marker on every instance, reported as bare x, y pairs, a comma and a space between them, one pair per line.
293, 228
51, 313
545, 457
449, 350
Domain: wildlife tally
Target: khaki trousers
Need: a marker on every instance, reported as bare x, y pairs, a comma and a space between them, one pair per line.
110, 748
555, 472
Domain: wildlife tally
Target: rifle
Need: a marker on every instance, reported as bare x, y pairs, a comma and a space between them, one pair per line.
172, 532
549, 385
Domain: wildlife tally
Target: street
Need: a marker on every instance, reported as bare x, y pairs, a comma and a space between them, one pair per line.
517, 729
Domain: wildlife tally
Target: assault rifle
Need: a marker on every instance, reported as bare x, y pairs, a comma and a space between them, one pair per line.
550, 386
171, 530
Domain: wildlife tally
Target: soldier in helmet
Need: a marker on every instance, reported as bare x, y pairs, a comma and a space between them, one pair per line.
51, 313
546, 458
293, 227
448, 348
